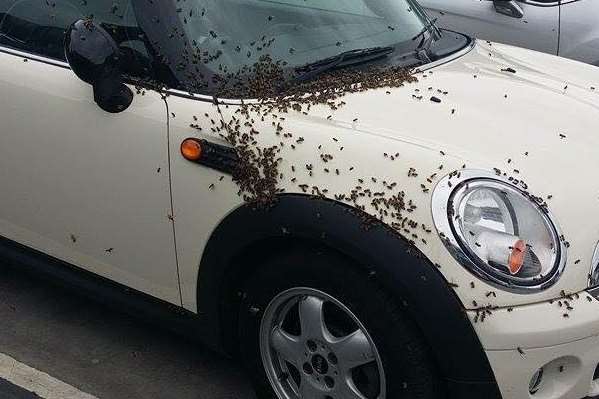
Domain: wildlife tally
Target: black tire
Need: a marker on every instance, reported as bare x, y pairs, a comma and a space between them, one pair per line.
406, 359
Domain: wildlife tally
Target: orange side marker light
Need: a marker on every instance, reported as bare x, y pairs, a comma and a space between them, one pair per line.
191, 150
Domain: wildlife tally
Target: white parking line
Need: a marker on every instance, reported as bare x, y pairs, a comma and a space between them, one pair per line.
36, 381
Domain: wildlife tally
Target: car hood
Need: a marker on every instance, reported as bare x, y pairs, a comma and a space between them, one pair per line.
496, 102
531, 115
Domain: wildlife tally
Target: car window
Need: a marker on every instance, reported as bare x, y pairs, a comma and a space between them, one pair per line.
39, 26
351, 7
215, 43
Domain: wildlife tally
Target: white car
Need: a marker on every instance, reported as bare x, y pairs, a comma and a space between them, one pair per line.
569, 28
356, 204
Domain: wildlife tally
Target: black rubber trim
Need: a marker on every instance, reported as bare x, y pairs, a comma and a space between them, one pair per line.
400, 268
216, 156
594, 291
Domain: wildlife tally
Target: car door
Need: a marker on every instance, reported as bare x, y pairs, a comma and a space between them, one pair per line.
529, 24
579, 33
78, 183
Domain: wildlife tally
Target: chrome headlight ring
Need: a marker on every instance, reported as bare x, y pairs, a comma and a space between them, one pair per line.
496, 231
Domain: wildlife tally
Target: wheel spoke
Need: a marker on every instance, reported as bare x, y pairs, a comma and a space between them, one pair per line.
312, 319
287, 346
353, 350
347, 390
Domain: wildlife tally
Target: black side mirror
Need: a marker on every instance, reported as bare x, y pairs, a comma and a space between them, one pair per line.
94, 57
509, 8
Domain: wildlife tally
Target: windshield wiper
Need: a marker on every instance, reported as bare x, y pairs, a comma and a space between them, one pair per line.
425, 43
346, 58
427, 28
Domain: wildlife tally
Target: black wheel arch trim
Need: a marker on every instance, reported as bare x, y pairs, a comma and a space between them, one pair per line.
396, 264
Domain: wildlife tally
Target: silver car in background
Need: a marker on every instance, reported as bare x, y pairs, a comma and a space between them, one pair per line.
568, 28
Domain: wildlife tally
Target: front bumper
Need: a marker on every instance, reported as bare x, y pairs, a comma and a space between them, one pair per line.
560, 336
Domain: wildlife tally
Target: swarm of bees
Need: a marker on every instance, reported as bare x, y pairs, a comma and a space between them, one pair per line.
258, 174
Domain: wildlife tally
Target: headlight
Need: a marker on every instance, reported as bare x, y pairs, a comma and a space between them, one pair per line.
498, 232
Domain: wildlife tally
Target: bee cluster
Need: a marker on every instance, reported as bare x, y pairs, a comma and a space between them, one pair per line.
258, 174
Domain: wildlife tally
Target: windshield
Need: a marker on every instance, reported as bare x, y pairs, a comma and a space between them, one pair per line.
203, 39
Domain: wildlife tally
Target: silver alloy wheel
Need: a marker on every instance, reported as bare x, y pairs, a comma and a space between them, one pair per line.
319, 360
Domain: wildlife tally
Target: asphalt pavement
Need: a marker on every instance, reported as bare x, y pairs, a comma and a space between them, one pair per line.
56, 344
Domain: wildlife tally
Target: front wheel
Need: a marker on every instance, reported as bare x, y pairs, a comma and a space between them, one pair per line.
313, 327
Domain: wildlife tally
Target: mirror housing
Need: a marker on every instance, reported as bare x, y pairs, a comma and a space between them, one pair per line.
94, 57
509, 7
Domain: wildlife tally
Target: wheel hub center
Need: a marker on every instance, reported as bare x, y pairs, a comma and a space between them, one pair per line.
320, 364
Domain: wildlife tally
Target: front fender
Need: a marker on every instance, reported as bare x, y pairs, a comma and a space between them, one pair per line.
397, 265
